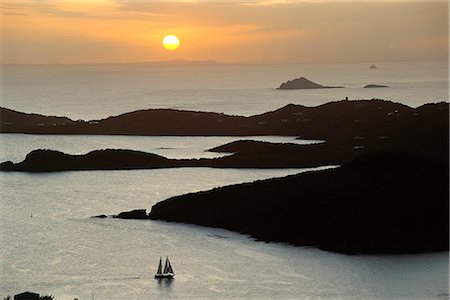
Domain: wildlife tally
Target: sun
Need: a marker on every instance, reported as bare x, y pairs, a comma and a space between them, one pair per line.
171, 42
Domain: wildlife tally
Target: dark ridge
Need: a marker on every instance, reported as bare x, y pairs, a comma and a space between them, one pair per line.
19, 122
265, 155
386, 202
334, 120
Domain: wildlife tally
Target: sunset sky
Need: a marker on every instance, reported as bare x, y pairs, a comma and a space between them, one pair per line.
245, 32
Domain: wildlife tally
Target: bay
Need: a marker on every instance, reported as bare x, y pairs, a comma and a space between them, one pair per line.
51, 245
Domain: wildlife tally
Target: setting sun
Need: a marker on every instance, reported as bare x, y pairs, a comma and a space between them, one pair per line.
171, 42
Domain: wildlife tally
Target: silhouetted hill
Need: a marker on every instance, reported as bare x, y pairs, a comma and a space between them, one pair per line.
380, 203
354, 128
109, 159
254, 154
334, 120
12, 121
271, 156
349, 129
303, 83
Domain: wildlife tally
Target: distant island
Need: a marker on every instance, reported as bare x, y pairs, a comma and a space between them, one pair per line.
375, 86
303, 83
182, 63
373, 67
163, 63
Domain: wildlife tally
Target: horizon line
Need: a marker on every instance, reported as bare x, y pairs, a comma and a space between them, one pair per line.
180, 62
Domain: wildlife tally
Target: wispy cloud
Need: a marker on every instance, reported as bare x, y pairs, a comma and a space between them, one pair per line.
250, 31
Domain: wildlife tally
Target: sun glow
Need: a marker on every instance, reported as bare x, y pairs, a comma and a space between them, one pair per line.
171, 42
104, 31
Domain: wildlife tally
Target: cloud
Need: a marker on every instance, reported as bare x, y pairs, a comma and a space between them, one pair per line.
252, 31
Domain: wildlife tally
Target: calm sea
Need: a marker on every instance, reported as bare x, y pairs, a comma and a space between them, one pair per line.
51, 245
98, 91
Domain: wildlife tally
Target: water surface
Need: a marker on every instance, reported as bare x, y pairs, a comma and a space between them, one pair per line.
51, 245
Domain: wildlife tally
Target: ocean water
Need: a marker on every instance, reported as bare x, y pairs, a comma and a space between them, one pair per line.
51, 245
98, 91
15, 147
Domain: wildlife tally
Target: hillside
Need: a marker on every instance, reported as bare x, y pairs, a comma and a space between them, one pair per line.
387, 202
349, 129
334, 120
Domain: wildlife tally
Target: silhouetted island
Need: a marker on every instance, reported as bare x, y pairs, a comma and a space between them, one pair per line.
319, 122
133, 214
348, 128
303, 83
110, 159
369, 86
386, 202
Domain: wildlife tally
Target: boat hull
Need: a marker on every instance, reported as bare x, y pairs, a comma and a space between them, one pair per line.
164, 276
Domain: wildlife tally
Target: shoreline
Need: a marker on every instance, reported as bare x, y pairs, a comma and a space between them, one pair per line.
324, 209
383, 149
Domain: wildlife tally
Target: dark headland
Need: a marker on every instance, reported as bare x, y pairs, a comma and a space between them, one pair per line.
386, 202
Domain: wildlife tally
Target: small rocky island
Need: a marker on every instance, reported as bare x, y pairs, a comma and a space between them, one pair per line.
370, 86
303, 83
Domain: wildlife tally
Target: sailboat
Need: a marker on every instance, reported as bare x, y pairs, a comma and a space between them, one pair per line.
167, 272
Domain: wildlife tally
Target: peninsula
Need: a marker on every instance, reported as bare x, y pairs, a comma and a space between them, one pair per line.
384, 202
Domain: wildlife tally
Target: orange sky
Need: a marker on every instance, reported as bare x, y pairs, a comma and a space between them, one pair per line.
248, 32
